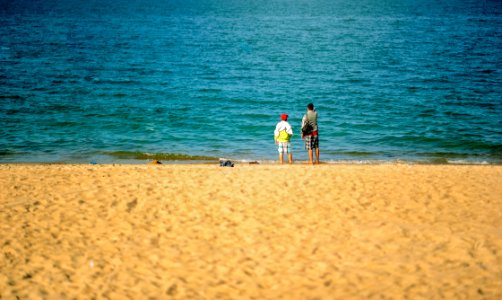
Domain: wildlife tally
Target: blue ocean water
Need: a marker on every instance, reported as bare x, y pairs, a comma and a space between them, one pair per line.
113, 81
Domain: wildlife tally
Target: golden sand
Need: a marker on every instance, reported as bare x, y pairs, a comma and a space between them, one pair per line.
390, 231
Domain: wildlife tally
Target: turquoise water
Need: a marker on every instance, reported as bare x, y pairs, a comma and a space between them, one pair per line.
118, 81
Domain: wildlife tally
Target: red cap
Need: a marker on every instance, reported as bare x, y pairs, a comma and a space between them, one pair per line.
284, 117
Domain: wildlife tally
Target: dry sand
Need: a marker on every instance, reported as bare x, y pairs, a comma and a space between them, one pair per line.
391, 231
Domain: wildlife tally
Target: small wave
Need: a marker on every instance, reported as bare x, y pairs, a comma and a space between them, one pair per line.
62, 107
442, 155
256, 116
357, 153
12, 97
459, 158
437, 161
119, 95
449, 161
158, 156
117, 81
209, 90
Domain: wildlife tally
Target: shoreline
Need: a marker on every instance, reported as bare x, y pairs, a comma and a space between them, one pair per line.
138, 157
262, 162
264, 231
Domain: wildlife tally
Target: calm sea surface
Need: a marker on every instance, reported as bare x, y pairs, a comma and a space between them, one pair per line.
115, 81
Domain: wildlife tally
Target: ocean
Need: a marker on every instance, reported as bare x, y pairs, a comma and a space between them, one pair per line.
184, 81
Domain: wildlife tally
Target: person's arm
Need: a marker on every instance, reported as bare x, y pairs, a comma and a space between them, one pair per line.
304, 119
276, 133
289, 129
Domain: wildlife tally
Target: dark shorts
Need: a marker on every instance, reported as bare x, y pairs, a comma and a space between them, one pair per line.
311, 142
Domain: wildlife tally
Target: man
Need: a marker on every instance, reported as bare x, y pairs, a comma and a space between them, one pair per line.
310, 133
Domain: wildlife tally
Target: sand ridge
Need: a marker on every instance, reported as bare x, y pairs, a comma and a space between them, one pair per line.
251, 232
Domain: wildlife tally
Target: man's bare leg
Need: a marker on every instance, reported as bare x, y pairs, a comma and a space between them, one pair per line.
280, 158
317, 156
311, 158
290, 158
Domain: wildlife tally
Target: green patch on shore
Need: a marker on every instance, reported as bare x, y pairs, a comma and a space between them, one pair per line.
157, 156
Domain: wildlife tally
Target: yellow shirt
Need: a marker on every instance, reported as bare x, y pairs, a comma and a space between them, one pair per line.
283, 132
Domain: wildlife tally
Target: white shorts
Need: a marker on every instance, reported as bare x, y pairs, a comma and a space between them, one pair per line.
284, 147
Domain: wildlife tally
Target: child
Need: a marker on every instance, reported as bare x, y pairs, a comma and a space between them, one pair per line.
282, 135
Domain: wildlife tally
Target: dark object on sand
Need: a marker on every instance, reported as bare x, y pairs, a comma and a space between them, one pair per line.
155, 162
226, 163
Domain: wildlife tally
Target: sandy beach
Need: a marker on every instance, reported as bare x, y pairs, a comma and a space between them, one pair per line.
389, 231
